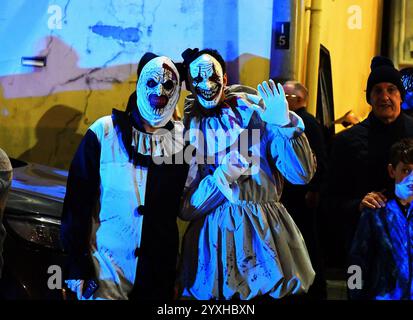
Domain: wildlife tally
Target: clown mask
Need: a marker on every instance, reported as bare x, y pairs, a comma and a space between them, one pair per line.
207, 80
158, 91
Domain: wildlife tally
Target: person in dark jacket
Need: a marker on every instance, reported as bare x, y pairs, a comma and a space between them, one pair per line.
6, 173
123, 194
382, 246
302, 201
359, 156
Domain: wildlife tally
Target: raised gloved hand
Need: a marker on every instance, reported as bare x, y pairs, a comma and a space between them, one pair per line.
275, 110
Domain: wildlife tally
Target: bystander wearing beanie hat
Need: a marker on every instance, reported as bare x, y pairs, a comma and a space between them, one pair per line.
383, 70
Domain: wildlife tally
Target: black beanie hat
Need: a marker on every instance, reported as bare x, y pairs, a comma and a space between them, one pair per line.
382, 70
148, 56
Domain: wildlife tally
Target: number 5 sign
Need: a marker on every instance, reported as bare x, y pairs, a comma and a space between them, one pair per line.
282, 35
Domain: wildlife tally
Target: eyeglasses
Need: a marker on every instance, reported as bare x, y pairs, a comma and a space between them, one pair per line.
292, 96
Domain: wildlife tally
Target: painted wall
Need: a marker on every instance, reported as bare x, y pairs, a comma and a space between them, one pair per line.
350, 31
92, 48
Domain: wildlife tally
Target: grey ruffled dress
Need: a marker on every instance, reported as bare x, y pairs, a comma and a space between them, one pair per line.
241, 242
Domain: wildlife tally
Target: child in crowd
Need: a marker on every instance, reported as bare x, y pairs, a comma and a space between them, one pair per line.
383, 243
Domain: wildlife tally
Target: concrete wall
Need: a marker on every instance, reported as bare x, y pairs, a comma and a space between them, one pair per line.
92, 49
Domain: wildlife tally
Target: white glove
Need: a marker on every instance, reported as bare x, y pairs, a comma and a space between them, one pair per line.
275, 109
76, 286
233, 165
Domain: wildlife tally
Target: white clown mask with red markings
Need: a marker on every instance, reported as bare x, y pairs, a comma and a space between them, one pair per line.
207, 80
158, 90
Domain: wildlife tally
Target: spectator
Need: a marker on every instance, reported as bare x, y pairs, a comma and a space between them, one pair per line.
382, 246
359, 157
302, 201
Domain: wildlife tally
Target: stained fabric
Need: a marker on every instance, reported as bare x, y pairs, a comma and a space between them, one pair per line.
241, 241
79, 206
383, 249
119, 217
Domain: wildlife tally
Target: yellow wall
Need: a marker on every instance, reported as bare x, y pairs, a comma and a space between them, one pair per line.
42, 110
351, 51
253, 70
48, 129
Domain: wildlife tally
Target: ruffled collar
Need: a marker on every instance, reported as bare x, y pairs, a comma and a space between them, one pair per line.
161, 143
164, 142
222, 126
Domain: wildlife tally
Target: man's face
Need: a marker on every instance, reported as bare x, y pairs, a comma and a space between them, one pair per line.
158, 91
207, 81
385, 100
293, 96
403, 178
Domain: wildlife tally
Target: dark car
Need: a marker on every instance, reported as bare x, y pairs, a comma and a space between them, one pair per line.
33, 254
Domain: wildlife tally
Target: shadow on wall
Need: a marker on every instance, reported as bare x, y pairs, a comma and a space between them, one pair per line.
45, 112
56, 136
68, 99
62, 73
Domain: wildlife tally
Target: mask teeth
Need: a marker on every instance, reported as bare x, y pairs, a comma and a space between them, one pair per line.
208, 94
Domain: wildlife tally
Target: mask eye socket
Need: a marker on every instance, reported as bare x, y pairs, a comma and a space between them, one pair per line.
198, 79
151, 83
168, 85
215, 78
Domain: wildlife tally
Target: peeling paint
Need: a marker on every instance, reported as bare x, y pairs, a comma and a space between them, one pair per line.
118, 33
64, 19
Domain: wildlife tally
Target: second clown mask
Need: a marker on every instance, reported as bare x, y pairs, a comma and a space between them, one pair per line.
158, 90
207, 80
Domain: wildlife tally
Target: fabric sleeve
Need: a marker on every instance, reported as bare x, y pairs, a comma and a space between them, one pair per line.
80, 202
201, 196
361, 253
291, 151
